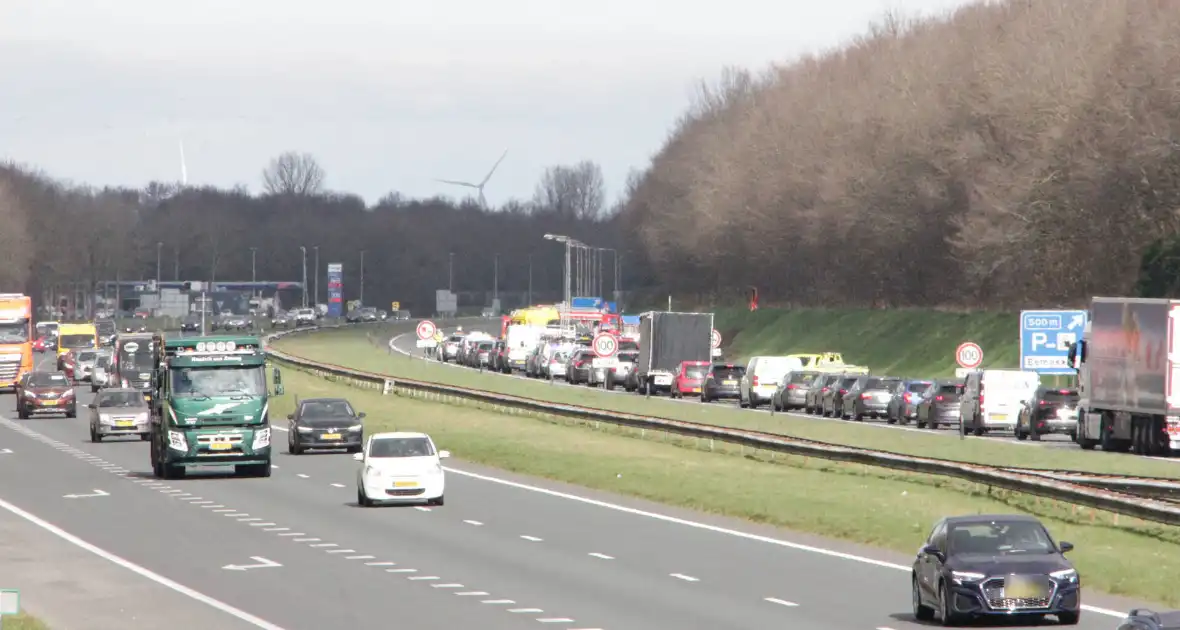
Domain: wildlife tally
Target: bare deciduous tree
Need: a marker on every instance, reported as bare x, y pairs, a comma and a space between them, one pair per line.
577, 191
293, 174
15, 242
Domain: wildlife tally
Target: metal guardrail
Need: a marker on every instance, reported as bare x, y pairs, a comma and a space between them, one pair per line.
1051, 485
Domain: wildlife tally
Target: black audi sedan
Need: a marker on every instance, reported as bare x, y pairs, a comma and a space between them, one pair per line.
327, 423
994, 565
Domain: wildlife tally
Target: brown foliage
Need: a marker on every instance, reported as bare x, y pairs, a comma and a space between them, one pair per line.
1015, 153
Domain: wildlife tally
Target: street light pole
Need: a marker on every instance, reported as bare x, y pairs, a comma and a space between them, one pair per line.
530, 298
362, 277
495, 278
316, 282
176, 268
254, 269
159, 292
303, 249
451, 272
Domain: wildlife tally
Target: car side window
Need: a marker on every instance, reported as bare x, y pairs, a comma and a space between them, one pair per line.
938, 536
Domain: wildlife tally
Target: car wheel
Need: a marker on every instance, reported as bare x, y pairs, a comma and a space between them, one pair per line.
361, 498
947, 615
1069, 618
94, 436
922, 612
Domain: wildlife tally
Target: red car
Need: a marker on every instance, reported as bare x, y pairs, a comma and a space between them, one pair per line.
689, 378
41, 345
66, 364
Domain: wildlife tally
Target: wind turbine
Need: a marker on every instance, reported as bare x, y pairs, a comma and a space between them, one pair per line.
483, 202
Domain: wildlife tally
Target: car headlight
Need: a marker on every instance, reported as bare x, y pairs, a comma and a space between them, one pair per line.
961, 577
104, 418
356, 427
29, 394
1065, 575
177, 441
306, 429
141, 418
261, 438
372, 472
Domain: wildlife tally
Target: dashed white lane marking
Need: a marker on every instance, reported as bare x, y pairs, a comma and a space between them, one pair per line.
223, 510
421, 508
476, 523
497, 601
303, 476
234, 514
325, 544
401, 570
342, 551
273, 466
525, 610
261, 525
252, 518
532, 538
277, 529
686, 578
780, 602
465, 593
203, 503
555, 620
360, 557
293, 534
884, 628
601, 555
380, 564
423, 577
215, 505
337, 485
446, 586
308, 539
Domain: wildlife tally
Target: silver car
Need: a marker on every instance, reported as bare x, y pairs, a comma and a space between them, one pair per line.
119, 412
84, 364
100, 376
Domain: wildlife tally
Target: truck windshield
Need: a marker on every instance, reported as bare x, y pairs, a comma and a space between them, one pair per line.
105, 327
207, 382
77, 341
14, 332
141, 360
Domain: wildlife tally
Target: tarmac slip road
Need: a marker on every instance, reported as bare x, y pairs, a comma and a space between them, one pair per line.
503, 553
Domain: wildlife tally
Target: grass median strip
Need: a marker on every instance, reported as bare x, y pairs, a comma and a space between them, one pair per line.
23, 621
889, 509
364, 349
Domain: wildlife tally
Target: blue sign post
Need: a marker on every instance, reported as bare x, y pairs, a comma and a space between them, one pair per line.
1045, 337
335, 290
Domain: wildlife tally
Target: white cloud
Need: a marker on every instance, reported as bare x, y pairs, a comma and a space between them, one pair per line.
389, 94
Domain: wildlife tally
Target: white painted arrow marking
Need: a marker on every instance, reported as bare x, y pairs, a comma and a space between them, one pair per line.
263, 563
97, 493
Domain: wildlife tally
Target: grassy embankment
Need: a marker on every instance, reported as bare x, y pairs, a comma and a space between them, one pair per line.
23, 622
364, 348
888, 509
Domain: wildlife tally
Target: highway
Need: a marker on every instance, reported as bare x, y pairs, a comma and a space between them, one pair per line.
505, 552
405, 344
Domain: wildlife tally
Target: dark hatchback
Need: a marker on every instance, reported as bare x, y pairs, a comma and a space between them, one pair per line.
722, 381
872, 398
939, 405
1003, 565
325, 423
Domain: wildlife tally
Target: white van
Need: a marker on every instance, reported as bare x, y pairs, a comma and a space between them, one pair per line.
991, 399
762, 378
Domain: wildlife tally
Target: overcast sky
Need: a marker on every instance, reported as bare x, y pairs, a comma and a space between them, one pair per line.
387, 94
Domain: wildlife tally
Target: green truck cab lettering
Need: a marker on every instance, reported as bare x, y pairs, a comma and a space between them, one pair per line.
214, 407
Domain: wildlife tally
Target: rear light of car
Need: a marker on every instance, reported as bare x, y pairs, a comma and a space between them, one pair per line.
754, 381
865, 396
792, 386
938, 398
843, 391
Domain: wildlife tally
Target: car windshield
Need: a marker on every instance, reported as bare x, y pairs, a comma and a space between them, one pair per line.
849, 382
727, 373
77, 341
48, 380
628, 357
918, 386
999, 537
401, 447
695, 371
802, 377
87, 356
326, 409
948, 389
874, 383
120, 399
14, 332
1060, 396
206, 382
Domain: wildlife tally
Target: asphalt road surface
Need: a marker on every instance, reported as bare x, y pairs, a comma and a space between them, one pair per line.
505, 552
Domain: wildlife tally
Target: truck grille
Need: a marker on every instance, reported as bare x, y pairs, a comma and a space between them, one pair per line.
8, 370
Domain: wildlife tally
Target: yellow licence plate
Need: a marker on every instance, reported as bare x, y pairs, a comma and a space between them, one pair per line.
405, 484
51, 403
696, 390
330, 436
997, 417
731, 382
220, 446
125, 423
1019, 587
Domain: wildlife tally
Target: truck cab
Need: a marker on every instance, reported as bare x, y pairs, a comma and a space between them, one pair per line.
135, 363
16, 338
214, 405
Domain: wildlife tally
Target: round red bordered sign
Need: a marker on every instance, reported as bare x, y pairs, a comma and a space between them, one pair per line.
969, 355
605, 345
426, 329
715, 338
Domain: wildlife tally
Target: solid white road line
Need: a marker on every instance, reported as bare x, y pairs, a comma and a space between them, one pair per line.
257, 622
781, 602
686, 578
601, 555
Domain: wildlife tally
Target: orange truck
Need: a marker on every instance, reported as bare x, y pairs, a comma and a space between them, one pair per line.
16, 338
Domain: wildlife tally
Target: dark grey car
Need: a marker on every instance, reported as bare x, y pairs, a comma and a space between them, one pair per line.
325, 423
814, 402
872, 397
903, 406
939, 405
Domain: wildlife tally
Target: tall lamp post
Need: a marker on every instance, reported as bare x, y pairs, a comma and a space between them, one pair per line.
303, 249
567, 287
159, 292
316, 283
362, 277
254, 269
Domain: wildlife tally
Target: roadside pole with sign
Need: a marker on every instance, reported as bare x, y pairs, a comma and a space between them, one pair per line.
969, 356
9, 603
606, 347
425, 331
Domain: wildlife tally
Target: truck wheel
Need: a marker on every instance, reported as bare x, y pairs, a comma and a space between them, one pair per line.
174, 471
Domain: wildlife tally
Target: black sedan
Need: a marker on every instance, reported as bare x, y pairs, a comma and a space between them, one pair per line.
1003, 565
325, 423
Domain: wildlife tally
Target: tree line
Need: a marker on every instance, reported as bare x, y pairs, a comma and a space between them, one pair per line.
56, 234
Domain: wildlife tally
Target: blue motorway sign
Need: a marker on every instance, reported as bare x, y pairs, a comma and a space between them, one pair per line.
1045, 337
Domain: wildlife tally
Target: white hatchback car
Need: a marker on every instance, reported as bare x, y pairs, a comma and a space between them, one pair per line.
400, 467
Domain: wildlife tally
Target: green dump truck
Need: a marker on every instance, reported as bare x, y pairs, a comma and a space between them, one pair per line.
213, 407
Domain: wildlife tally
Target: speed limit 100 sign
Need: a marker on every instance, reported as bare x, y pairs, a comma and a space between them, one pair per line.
969, 355
426, 329
605, 346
